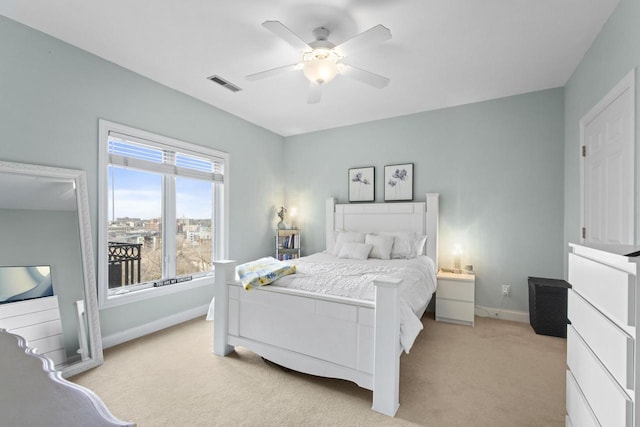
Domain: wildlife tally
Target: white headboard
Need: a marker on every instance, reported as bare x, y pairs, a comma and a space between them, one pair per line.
421, 217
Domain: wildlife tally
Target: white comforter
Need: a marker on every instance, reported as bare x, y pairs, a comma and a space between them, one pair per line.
327, 274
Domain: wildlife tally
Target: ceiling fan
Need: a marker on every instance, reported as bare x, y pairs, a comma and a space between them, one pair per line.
321, 60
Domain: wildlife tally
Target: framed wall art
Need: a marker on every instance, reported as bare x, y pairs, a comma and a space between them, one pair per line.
362, 184
398, 182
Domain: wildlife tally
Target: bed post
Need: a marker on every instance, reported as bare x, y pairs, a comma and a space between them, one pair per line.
224, 272
386, 367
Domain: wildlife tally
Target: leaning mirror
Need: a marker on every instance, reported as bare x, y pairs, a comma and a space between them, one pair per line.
47, 276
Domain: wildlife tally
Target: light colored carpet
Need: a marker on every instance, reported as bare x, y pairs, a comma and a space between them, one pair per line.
498, 373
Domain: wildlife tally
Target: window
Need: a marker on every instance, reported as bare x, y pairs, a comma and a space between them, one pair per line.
162, 214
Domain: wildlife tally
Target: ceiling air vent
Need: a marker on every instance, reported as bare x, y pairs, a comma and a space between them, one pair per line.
222, 82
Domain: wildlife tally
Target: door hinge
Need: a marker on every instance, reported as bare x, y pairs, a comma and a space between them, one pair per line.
584, 151
584, 232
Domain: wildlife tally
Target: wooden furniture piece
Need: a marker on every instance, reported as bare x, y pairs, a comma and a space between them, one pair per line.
322, 334
287, 244
602, 345
33, 393
455, 298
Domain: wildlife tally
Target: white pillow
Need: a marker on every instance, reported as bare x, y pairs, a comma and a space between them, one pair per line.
404, 244
422, 242
355, 250
347, 237
381, 245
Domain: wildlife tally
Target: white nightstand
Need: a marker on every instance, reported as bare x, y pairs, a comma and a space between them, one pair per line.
455, 298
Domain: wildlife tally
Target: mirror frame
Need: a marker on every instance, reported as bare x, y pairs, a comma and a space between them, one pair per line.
96, 357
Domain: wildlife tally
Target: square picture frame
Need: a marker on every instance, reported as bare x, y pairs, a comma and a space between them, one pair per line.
398, 182
362, 185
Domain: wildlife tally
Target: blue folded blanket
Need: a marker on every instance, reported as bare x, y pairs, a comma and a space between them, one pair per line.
262, 271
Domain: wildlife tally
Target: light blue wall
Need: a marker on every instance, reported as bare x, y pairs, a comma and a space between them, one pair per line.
51, 97
614, 53
498, 167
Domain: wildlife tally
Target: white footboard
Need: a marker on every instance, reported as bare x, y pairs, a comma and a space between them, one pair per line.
317, 334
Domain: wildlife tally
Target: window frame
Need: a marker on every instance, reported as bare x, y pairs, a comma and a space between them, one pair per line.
220, 223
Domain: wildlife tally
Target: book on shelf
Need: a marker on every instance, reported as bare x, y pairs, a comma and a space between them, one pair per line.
291, 242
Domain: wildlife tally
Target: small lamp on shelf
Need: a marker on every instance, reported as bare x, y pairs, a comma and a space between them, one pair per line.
457, 259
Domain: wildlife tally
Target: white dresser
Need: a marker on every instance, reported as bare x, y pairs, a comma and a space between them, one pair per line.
602, 375
455, 298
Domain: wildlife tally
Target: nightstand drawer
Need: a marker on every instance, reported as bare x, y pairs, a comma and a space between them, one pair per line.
457, 290
447, 309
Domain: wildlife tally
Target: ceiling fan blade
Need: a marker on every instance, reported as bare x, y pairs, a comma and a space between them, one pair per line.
315, 93
280, 30
272, 72
371, 37
363, 76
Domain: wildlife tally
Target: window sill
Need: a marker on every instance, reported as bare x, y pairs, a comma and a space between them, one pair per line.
153, 292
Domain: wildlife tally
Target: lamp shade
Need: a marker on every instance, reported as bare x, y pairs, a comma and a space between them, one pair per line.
457, 258
320, 66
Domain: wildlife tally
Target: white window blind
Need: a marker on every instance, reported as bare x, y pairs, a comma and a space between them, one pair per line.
173, 198
137, 153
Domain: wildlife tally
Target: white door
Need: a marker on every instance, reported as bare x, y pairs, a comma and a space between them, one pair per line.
608, 139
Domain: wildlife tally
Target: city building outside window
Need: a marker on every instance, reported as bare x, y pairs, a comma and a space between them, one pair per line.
162, 214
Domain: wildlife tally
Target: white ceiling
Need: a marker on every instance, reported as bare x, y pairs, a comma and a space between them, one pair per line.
442, 53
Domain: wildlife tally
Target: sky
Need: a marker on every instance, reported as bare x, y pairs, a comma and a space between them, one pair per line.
138, 195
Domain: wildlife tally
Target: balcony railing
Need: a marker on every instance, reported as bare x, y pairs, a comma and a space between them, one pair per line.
124, 264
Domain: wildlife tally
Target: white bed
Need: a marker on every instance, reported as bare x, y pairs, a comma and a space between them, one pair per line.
324, 273
339, 336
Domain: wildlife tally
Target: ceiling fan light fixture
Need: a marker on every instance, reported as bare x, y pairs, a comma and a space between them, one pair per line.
322, 60
320, 65
320, 71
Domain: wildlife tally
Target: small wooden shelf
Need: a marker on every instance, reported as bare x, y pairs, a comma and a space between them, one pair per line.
287, 244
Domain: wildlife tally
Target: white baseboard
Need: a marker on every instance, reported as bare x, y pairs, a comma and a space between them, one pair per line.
500, 313
151, 327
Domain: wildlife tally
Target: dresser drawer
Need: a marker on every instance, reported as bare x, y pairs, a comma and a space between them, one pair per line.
454, 310
458, 290
610, 290
611, 344
578, 410
609, 402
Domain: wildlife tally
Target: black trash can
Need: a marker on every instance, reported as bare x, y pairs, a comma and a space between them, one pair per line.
548, 306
